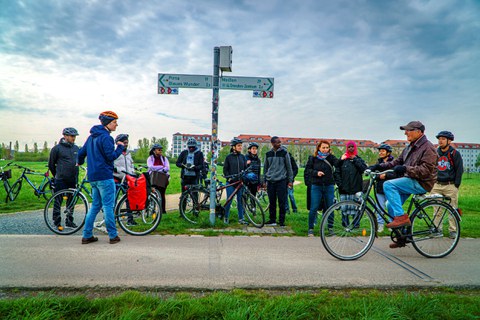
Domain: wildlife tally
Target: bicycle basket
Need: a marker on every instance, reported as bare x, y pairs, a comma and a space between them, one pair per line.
6, 174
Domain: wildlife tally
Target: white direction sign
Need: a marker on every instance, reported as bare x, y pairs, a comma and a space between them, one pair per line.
184, 81
169, 84
246, 83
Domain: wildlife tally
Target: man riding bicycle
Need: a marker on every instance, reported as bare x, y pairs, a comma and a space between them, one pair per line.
416, 168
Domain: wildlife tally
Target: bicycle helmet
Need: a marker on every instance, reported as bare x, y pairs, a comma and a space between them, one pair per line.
70, 132
107, 116
445, 134
155, 146
235, 141
250, 177
385, 147
252, 144
121, 137
191, 142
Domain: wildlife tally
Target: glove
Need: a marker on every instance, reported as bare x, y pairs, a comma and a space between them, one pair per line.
375, 167
400, 170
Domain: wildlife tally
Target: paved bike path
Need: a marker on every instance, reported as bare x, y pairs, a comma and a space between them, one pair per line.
223, 262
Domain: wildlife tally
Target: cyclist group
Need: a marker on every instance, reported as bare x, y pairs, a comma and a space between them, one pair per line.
419, 169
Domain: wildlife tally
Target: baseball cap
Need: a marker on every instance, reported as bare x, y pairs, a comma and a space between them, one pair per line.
412, 125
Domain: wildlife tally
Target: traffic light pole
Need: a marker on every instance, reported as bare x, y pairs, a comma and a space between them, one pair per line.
215, 105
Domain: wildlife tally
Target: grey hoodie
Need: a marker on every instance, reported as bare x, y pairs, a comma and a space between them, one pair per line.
278, 166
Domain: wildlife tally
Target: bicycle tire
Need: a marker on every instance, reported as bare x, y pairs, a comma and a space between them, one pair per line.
430, 235
253, 210
145, 221
14, 191
74, 210
47, 191
347, 241
192, 203
262, 197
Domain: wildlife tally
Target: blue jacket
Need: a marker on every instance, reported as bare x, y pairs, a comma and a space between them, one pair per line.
100, 152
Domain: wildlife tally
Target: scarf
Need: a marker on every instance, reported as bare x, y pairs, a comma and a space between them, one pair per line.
157, 161
321, 155
349, 154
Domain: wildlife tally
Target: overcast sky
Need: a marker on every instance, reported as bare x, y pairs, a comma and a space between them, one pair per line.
342, 69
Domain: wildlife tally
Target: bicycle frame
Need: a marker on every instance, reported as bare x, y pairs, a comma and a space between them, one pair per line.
38, 191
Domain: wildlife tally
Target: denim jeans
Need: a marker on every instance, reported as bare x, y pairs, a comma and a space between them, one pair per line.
317, 193
397, 192
239, 203
103, 194
292, 200
381, 202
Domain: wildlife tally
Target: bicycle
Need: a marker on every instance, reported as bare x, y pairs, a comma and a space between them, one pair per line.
44, 189
5, 176
351, 238
71, 205
196, 199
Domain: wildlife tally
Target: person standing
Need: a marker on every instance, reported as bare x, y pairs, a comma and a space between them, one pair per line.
416, 169
191, 161
253, 162
278, 175
348, 177
320, 169
290, 190
384, 155
62, 164
235, 163
100, 151
157, 162
450, 171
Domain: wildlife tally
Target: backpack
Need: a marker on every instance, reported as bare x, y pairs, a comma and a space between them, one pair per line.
137, 192
450, 159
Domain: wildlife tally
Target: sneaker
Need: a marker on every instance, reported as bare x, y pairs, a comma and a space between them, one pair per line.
89, 240
400, 221
225, 221
59, 227
241, 221
114, 240
70, 224
282, 225
331, 232
381, 227
452, 235
310, 233
131, 223
271, 223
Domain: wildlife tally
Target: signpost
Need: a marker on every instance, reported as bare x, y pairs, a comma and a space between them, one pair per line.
261, 87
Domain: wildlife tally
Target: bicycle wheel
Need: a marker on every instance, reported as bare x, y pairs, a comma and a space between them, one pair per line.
192, 203
14, 191
47, 190
263, 199
347, 237
253, 210
139, 222
65, 211
432, 228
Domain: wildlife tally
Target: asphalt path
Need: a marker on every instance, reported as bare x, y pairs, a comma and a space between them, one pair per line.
223, 262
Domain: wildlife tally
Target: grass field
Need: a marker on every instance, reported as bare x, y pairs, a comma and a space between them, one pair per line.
172, 224
239, 304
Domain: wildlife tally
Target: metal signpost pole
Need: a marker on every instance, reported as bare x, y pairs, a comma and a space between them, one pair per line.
213, 166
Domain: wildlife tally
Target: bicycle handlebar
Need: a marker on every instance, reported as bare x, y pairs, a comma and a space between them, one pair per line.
374, 174
238, 175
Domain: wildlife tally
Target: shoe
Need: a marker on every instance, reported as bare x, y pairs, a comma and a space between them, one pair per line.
400, 221
226, 221
331, 232
115, 240
131, 223
452, 235
399, 244
271, 223
89, 240
381, 227
310, 233
282, 225
70, 224
59, 227
295, 211
241, 221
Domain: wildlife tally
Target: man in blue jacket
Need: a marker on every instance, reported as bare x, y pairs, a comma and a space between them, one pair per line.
101, 153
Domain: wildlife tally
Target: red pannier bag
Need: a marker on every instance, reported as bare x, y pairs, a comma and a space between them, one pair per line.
137, 192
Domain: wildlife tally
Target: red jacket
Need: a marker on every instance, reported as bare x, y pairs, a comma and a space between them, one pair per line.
420, 158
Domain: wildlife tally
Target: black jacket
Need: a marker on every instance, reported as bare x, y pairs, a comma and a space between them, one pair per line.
234, 163
388, 176
197, 161
294, 165
63, 162
348, 175
255, 164
450, 166
314, 165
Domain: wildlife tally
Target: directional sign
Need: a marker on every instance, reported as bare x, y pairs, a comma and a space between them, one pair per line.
167, 90
263, 94
246, 83
184, 81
